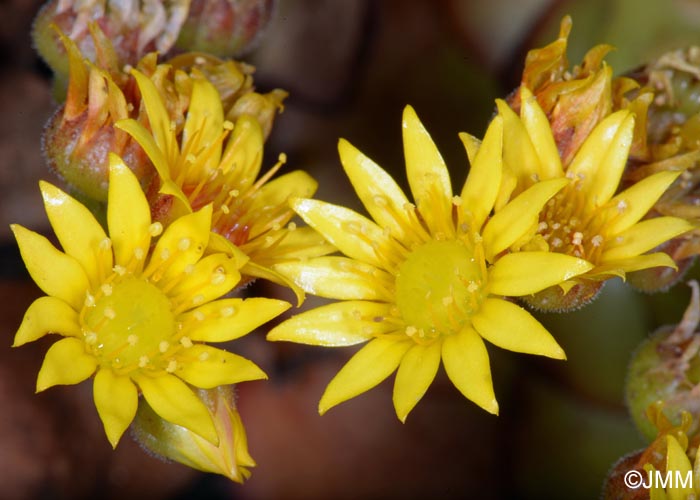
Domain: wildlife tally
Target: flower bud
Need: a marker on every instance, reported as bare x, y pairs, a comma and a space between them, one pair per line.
173, 442
555, 299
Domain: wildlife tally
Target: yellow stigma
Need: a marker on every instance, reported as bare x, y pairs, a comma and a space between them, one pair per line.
129, 325
438, 287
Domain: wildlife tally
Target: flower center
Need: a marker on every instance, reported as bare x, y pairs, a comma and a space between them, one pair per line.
129, 325
438, 287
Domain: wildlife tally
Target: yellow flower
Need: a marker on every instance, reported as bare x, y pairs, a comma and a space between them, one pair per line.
425, 282
134, 317
587, 219
217, 162
681, 480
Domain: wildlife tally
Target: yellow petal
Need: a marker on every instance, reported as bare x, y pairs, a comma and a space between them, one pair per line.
427, 173
148, 143
297, 243
229, 319
128, 213
481, 187
174, 401
519, 155
340, 278
251, 269
66, 363
633, 203
47, 315
207, 367
243, 152
619, 267
366, 369
524, 273
182, 243
158, 117
350, 232
415, 374
213, 276
56, 273
205, 118
599, 163
513, 221
467, 365
277, 193
78, 231
540, 132
471, 145
338, 324
381, 196
116, 399
644, 236
678, 464
511, 327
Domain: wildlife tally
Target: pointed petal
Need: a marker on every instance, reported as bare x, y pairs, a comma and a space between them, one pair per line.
128, 213
366, 369
141, 135
350, 232
633, 203
644, 236
174, 401
427, 173
511, 327
524, 273
158, 117
340, 278
678, 464
513, 221
381, 196
298, 243
213, 276
243, 152
630, 264
205, 116
78, 231
56, 273
415, 374
251, 269
182, 243
338, 324
540, 132
599, 163
471, 145
47, 315
467, 365
229, 319
207, 367
116, 399
519, 155
66, 363
481, 187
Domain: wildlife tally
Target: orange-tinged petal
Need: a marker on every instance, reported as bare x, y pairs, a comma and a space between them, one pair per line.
633, 203
511, 327
366, 369
174, 401
56, 273
481, 187
338, 324
350, 232
78, 231
66, 363
644, 236
525, 273
47, 315
427, 172
467, 365
599, 163
116, 399
128, 214
415, 374
229, 319
379, 193
511, 223
540, 132
207, 367
340, 278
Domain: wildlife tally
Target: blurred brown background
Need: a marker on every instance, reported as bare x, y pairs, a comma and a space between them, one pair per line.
351, 66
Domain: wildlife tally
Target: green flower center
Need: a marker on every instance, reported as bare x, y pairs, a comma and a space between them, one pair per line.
438, 287
129, 324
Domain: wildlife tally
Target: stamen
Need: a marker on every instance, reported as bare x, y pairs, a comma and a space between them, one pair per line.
597, 240
163, 346
172, 366
184, 244
139, 253
120, 270
155, 229
106, 289
203, 356
90, 338
89, 300
109, 313
227, 311
291, 226
186, 342
411, 331
199, 315
105, 244
132, 340
143, 361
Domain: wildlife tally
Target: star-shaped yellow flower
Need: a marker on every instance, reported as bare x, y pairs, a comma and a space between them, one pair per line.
425, 282
213, 161
587, 219
136, 318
